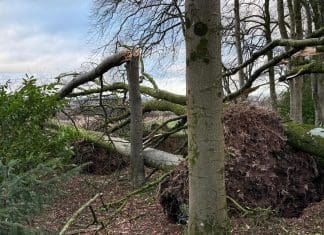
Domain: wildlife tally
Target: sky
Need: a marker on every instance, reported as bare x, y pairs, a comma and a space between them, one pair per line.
45, 38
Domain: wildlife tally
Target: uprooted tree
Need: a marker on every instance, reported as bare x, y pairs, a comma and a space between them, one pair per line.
196, 112
204, 125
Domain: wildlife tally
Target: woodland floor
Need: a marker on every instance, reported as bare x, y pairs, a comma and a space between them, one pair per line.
251, 141
142, 214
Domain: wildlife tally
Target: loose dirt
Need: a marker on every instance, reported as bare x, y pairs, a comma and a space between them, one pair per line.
101, 161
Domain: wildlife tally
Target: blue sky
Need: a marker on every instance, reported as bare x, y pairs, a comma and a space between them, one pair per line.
47, 37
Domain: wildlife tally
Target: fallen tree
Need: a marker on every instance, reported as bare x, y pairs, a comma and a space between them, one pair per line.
306, 138
152, 157
298, 136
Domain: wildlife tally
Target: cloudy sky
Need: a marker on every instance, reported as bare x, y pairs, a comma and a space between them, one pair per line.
45, 38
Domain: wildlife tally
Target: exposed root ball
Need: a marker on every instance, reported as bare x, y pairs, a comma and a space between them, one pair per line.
261, 170
102, 162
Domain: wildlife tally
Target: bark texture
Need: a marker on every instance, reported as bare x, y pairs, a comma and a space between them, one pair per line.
281, 20
296, 99
267, 29
152, 157
238, 45
318, 97
207, 197
296, 85
318, 79
137, 175
300, 137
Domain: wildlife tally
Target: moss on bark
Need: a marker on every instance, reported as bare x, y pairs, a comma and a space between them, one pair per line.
299, 137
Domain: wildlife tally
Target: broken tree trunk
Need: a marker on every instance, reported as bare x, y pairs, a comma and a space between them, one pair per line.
137, 174
306, 138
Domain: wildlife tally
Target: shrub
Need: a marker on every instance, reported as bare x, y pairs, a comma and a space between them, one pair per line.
31, 156
24, 137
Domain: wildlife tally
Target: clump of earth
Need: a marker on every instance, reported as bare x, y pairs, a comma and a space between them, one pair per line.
261, 169
97, 160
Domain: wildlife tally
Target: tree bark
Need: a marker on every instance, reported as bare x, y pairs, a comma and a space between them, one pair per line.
281, 20
207, 196
299, 137
318, 97
318, 79
296, 85
238, 45
267, 27
296, 99
137, 175
320, 111
152, 157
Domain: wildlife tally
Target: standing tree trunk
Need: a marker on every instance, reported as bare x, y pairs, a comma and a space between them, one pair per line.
136, 128
318, 79
318, 96
281, 19
238, 44
207, 196
320, 111
296, 99
267, 27
296, 84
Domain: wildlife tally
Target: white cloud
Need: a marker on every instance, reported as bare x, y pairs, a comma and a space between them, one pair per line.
176, 84
29, 50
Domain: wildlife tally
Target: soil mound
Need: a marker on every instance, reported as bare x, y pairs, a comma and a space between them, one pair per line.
261, 169
101, 161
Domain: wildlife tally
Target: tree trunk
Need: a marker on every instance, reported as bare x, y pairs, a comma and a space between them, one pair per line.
320, 111
238, 45
207, 196
318, 79
300, 137
296, 99
267, 26
318, 97
281, 20
137, 175
296, 85
152, 157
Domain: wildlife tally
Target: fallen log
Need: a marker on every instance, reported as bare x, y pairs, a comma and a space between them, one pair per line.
307, 138
152, 157
300, 136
